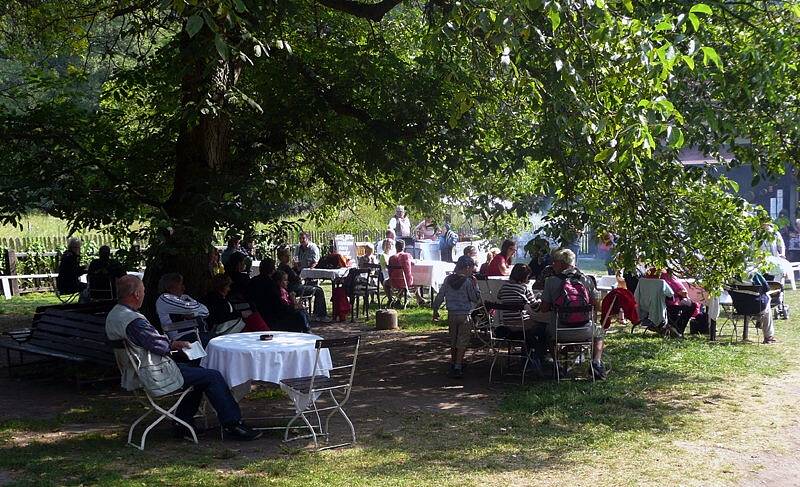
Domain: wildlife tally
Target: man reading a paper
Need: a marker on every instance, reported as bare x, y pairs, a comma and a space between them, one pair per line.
124, 322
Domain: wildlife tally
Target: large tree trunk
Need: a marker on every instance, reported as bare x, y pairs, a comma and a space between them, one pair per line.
202, 152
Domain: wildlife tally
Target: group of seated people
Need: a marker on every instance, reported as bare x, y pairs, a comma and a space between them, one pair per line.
101, 274
166, 374
565, 288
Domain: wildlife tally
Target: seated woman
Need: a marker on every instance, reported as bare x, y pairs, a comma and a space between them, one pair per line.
680, 308
236, 270
282, 313
369, 256
489, 258
501, 264
297, 287
401, 277
222, 317
517, 292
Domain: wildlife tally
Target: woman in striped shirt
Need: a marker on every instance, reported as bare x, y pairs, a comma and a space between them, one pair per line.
516, 291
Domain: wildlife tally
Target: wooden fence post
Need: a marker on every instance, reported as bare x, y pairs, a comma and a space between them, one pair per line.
11, 265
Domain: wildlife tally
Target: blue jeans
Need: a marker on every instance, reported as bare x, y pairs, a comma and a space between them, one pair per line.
210, 382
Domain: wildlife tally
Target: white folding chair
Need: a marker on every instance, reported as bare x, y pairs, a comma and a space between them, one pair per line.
323, 385
153, 407
566, 349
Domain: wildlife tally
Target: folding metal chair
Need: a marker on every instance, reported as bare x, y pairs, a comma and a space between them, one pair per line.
512, 317
568, 351
153, 407
323, 385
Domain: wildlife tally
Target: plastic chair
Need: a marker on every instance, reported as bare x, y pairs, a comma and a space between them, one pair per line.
323, 385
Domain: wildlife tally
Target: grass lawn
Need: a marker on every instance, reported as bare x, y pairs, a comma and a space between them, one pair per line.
671, 413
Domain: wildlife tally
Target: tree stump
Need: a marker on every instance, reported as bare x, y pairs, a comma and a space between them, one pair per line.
386, 319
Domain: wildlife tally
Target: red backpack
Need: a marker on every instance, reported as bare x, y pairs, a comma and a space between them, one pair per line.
573, 295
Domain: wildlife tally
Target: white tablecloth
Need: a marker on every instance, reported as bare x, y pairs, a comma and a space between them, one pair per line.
242, 357
430, 272
428, 250
492, 285
329, 274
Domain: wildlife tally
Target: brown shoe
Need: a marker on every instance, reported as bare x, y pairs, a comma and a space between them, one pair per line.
769, 340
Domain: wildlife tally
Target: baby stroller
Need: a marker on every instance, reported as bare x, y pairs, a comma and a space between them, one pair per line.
779, 308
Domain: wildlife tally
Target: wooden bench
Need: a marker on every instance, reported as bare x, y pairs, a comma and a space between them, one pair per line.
74, 334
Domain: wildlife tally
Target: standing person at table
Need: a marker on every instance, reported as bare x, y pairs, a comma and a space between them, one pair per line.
297, 287
400, 223
774, 244
460, 293
426, 229
402, 278
447, 243
124, 322
501, 264
70, 269
308, 253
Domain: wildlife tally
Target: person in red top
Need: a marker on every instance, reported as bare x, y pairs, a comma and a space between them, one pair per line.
501, 264
402, 278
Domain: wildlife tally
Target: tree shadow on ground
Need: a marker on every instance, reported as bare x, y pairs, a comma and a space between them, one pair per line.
411, 418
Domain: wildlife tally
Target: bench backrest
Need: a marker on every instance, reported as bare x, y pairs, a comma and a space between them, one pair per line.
75, 333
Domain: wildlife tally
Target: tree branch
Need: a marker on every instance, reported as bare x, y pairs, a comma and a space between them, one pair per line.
370, 11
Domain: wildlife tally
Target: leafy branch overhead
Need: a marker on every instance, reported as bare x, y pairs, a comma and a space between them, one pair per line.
196, 115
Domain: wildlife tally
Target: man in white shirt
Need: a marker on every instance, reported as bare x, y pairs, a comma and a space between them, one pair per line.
308, 254
400, 223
